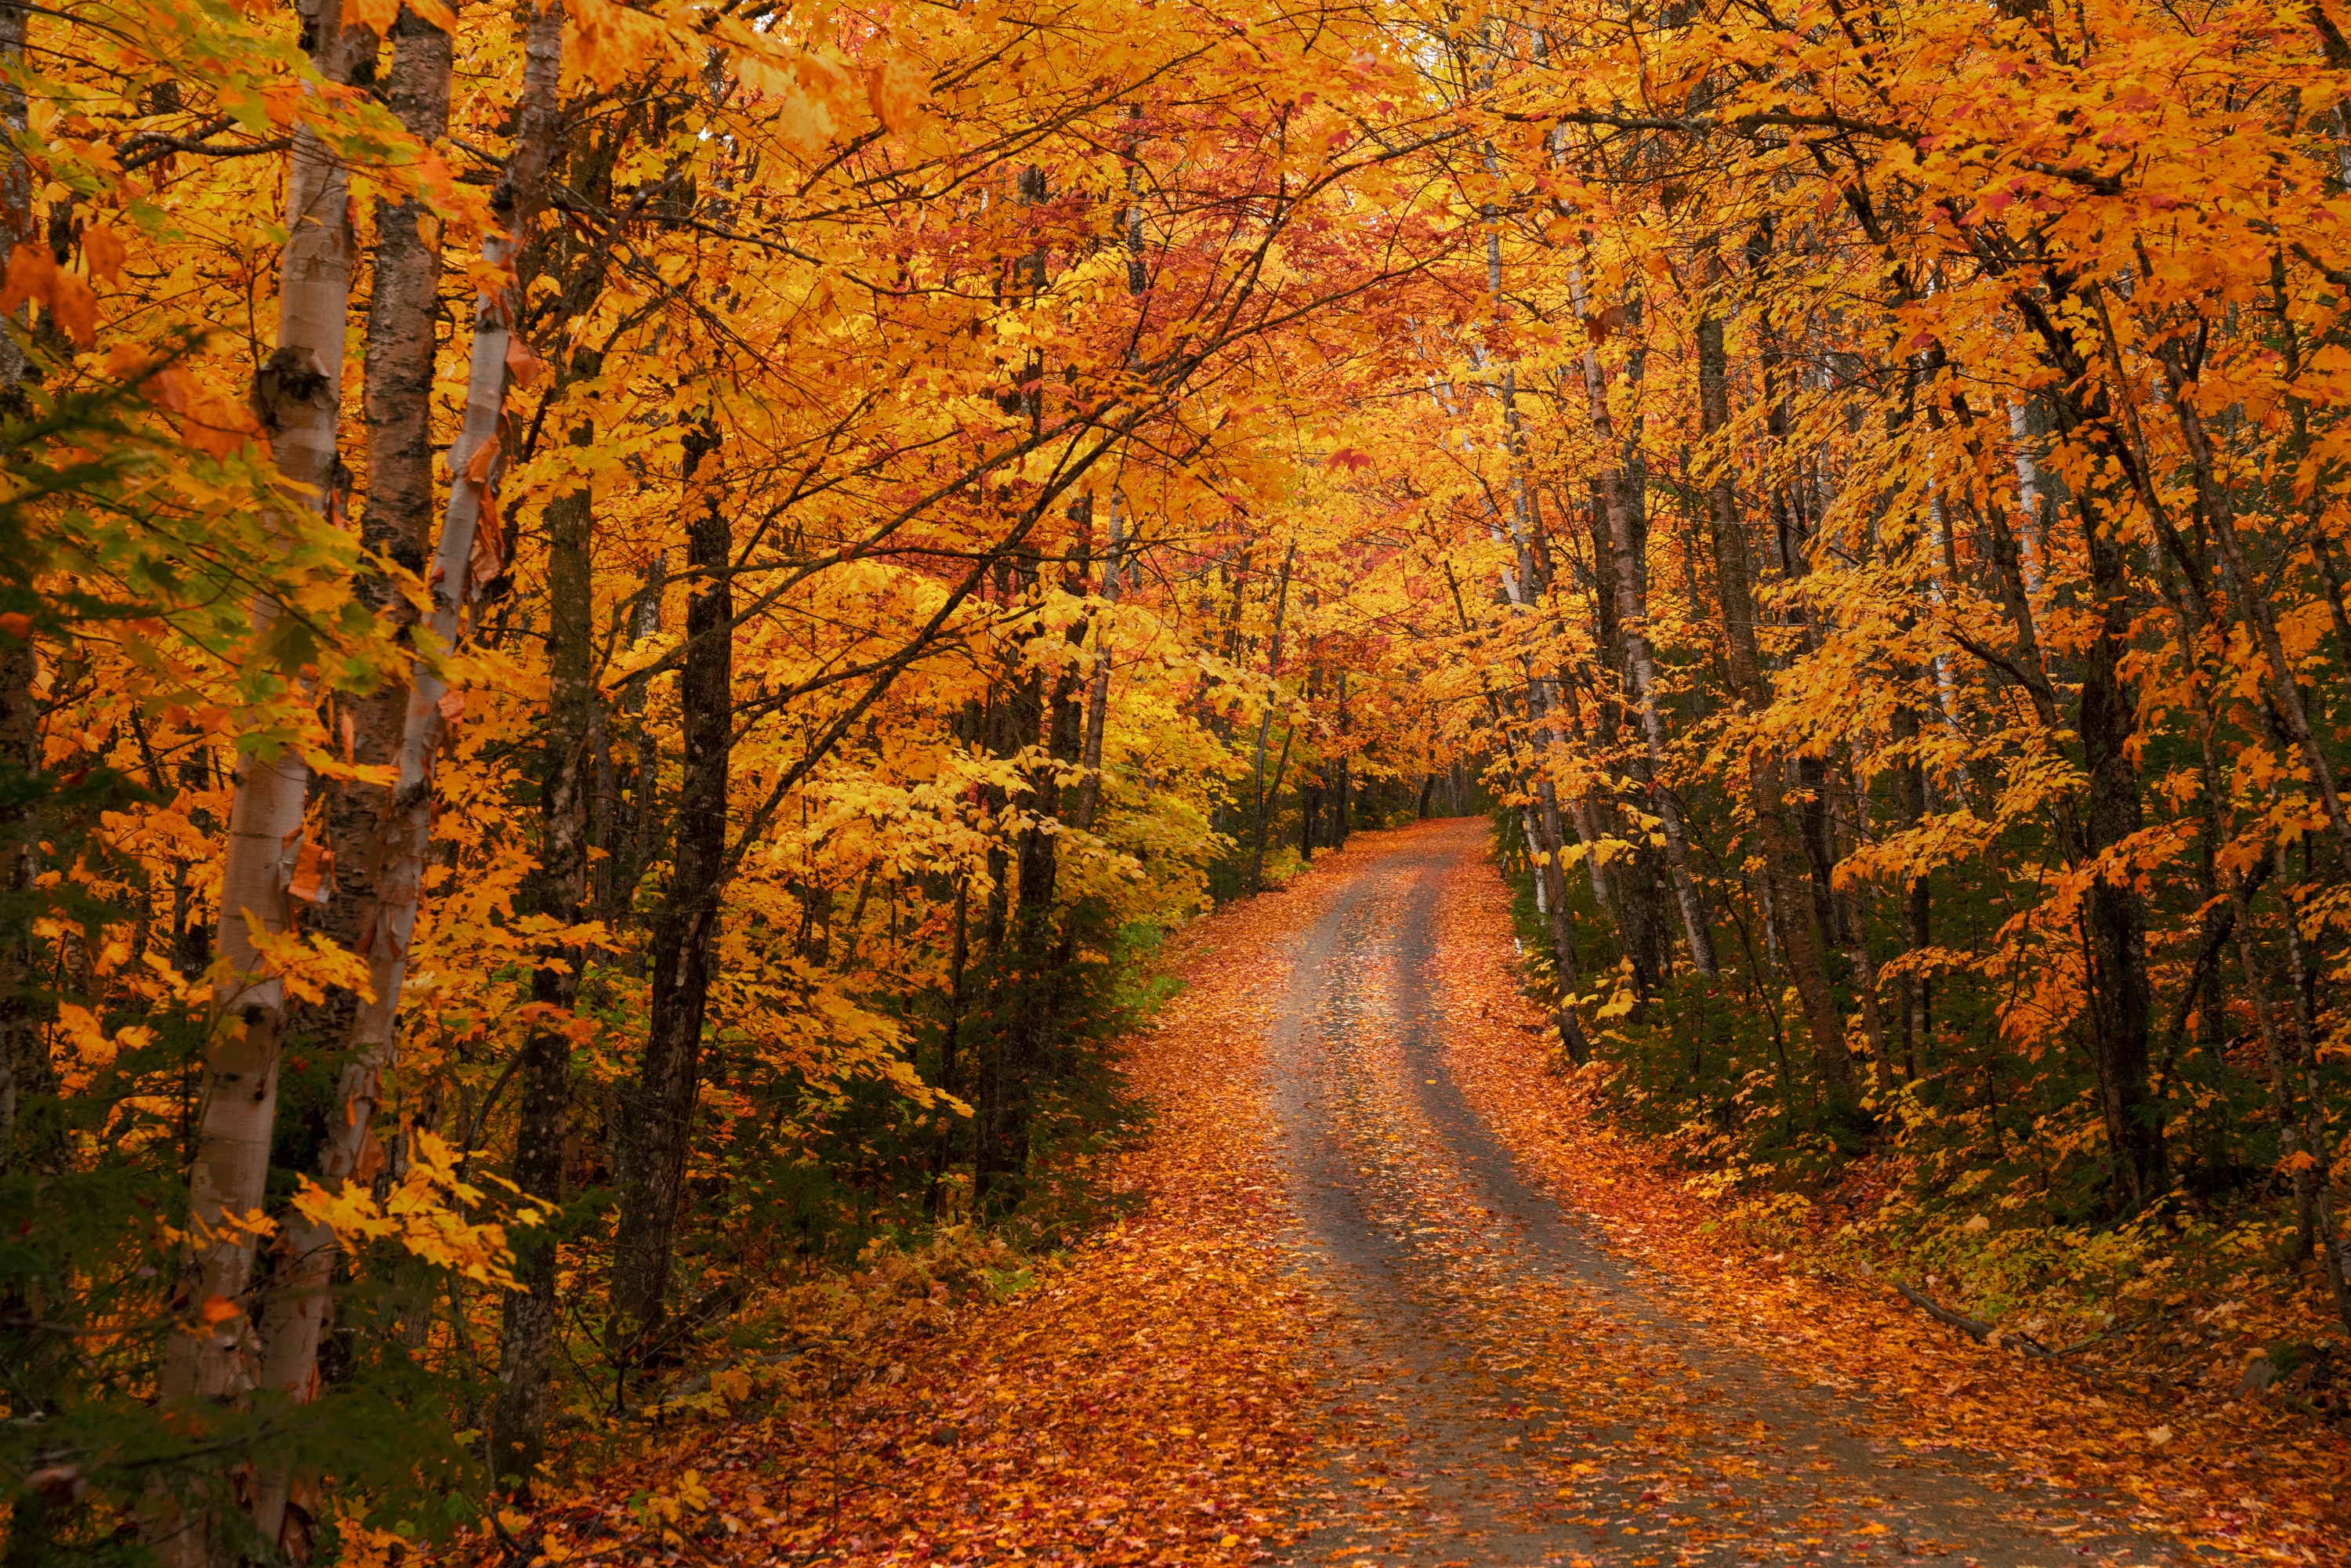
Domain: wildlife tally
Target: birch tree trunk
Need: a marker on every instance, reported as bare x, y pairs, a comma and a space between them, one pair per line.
466, 556
298, 396
357, 816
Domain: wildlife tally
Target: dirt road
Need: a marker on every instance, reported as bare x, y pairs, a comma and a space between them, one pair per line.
1505, 1390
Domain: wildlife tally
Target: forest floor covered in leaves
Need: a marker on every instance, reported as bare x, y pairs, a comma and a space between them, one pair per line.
1389, 1292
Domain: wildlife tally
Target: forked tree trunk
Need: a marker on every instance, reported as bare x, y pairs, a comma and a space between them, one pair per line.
356, 815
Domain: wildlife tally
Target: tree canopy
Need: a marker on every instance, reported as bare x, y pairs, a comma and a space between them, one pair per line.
621, 621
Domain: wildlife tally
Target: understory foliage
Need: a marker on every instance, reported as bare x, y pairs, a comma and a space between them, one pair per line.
621, 621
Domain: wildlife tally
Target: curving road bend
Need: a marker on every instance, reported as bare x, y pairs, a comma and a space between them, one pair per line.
1507, 1391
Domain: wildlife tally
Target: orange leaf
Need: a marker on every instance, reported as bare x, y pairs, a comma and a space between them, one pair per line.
375, 16
74, 305
105, 252
30, 267
34, 275
220, 1309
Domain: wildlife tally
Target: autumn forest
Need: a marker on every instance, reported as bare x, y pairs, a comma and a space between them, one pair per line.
947, 781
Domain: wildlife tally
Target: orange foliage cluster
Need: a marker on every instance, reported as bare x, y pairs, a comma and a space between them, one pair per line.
620, 619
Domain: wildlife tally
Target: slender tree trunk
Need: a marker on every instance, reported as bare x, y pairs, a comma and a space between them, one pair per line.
1910, 808
25, 1073
1265, 723
959, 954
559, 891
658, 1112
2115, 918
1039, 961
1782, 868
15, 187
24, 1067
1554, 873
1113, 552
2328, 1236
297, 395
1015, 720
644, 772
1855, 808
1342, 793
1098, 691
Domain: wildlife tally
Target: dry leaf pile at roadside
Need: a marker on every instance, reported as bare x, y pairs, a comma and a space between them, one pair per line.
2239, 1476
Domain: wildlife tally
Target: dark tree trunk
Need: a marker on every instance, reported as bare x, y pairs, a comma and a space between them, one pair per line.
25, 1073
1914, 996
958, 956
657, 1112
558, 891
2113, 920
1342, 795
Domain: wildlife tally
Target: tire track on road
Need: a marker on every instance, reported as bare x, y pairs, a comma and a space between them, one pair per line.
1501, 1388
